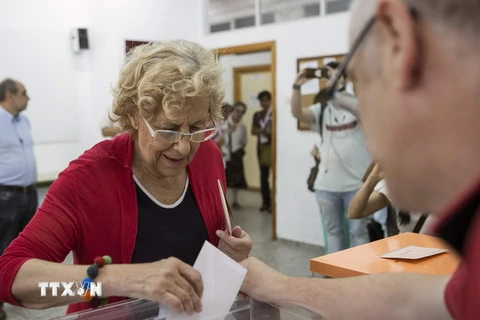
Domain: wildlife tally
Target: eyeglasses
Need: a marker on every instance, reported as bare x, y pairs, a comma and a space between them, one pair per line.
341, 71
169, 136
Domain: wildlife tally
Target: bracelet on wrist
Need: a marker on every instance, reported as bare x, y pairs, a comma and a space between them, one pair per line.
92, 272
296, 87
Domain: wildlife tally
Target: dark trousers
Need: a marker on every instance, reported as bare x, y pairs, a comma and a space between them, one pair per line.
16, 211
265, 185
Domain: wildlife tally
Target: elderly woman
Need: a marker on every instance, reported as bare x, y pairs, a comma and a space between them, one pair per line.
148, 199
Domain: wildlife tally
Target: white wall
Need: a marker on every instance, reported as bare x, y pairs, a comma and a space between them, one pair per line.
232, 61
114, 21
71, 93
297, 212
35, 49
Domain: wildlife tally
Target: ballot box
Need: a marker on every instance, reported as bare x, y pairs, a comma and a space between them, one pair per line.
134, 309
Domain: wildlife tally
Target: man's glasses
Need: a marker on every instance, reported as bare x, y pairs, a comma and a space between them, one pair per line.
342, 69
169, 136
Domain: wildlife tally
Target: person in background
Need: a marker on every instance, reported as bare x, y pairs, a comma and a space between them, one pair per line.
428, 150
226, 110
18, 171
110, 128
373, 196
320, 98
262, 128
233, 149
148, 198
345, 158
111, 131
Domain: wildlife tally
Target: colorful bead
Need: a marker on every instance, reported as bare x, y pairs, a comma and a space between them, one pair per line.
87, 296
92, 271
107, 259
99, 261
86, 283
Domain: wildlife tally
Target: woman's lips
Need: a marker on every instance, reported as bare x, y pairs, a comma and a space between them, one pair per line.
174, 161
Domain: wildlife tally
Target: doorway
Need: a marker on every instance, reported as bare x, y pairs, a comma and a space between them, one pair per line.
248, 82
239, 93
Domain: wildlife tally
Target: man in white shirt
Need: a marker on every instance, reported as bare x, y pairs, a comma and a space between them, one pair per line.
345, 160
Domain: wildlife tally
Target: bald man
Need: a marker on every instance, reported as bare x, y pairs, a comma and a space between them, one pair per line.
18, 172
417, 73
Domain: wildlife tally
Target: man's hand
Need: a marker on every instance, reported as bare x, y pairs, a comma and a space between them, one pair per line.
237, 245
262, 282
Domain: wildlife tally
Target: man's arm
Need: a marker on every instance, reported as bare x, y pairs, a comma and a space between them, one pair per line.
384, 296
111, 131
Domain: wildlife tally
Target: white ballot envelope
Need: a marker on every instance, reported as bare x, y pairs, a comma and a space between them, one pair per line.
222, 278
412, 253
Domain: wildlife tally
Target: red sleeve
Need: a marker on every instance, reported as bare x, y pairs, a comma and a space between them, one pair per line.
454, 292
49, 236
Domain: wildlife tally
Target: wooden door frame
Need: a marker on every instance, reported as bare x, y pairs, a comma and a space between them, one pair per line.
269, 46
237, 96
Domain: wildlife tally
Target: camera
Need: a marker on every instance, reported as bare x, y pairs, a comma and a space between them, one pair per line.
317, 73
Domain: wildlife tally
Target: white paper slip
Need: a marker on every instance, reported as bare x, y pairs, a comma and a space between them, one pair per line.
412, 253
222, 278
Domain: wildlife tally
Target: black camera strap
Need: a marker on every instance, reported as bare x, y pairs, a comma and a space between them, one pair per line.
323, 107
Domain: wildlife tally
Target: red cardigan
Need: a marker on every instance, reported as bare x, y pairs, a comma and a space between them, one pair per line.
91, 209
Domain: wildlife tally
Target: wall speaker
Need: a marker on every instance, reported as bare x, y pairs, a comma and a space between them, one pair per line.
79, 39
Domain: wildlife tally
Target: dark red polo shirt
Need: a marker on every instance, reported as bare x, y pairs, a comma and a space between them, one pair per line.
460, 227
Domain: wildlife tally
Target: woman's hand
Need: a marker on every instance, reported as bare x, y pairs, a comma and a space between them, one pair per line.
377, 174
237, 246
171, 282
301, 78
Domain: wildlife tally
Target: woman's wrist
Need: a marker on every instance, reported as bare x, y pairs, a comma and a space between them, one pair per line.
117, 280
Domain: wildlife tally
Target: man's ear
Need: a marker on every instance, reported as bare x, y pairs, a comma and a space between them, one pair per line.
400, 44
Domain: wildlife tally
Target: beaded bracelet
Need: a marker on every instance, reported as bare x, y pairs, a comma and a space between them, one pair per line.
92, 272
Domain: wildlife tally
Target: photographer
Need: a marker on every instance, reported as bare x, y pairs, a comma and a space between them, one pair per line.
345, 159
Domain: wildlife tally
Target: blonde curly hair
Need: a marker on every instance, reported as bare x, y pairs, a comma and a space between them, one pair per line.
159, 76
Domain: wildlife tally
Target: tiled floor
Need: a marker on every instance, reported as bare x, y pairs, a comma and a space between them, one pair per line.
289, 258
